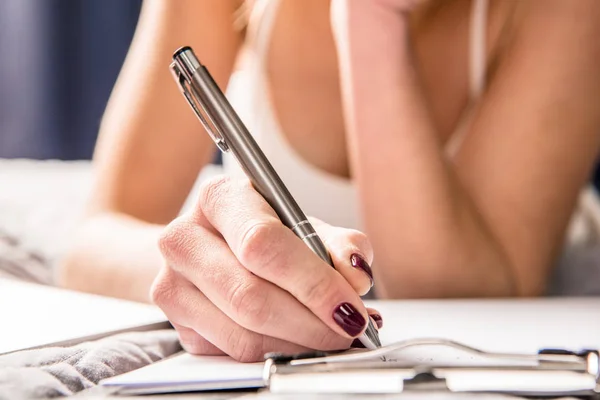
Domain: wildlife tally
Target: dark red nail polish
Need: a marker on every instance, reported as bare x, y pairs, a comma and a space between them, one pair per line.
349, 319
378, 320
357, 261
357, 344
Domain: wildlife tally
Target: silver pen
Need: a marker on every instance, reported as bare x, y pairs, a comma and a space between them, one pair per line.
229, 133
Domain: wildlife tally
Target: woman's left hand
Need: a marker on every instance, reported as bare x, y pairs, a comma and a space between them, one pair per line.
357, 17
396, 5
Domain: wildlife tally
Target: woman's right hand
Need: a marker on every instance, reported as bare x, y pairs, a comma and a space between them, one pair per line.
237, 281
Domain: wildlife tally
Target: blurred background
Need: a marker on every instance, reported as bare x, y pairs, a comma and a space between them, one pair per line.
60, 59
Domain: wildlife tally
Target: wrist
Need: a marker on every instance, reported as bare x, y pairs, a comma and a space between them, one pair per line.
372, 40
370, 17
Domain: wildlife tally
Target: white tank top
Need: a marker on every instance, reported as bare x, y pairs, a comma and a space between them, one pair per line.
328, 197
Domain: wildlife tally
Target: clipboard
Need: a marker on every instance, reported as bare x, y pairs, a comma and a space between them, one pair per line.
497, 326
549, 373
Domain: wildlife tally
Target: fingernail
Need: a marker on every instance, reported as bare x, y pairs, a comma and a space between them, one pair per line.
349, 319
378, 320
357, 344
357, 261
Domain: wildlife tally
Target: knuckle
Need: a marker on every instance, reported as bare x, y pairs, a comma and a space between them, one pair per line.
192, 347
249, 353
261, 246
245, 184
163, 290
320, 293
181, 246
212, 191
322, 228
191, 341
331, 341
359, 240
244, 346
173, 238
250, 304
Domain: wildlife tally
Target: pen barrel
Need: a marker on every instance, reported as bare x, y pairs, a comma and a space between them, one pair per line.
230, 134
306, 232
252, 160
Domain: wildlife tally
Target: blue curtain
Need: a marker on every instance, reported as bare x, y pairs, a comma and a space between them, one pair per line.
59, 61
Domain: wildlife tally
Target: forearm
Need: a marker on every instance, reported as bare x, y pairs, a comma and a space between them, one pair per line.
150, 150
428, 238
113, 255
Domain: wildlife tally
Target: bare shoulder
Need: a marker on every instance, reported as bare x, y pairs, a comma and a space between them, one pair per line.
568, 26
556, 44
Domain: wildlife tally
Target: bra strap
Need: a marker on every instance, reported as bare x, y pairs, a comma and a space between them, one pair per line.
260, 26
477, 48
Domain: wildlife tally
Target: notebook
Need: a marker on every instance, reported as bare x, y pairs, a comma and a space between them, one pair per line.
521, 326
36, 316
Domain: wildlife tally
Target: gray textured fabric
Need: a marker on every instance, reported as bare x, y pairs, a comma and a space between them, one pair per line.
18, 263
55, 372
577, 273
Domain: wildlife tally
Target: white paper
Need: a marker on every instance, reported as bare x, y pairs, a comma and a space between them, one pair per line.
34, 315
189, 372
511, 326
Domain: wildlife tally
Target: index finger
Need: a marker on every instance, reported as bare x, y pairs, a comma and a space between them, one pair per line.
351, 253
270, 250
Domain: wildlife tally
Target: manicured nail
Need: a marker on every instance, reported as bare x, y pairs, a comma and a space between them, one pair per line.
358, 262
357, 344
378, 320
349, 319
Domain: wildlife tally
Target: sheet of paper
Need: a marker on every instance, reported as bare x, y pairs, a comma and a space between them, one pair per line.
517, 325
34, 315
185, 372
492, 325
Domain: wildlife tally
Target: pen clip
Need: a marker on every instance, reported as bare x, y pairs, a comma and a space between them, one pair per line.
187, 91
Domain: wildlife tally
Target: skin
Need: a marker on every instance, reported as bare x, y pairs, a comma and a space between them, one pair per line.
503, 201
485, 220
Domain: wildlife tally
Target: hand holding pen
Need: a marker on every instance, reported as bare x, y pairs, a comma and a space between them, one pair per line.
237, 278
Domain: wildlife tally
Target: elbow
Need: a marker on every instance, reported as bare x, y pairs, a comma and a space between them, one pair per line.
440, 286
75, 269
70, 272
449, 275
445, 280
526, 283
